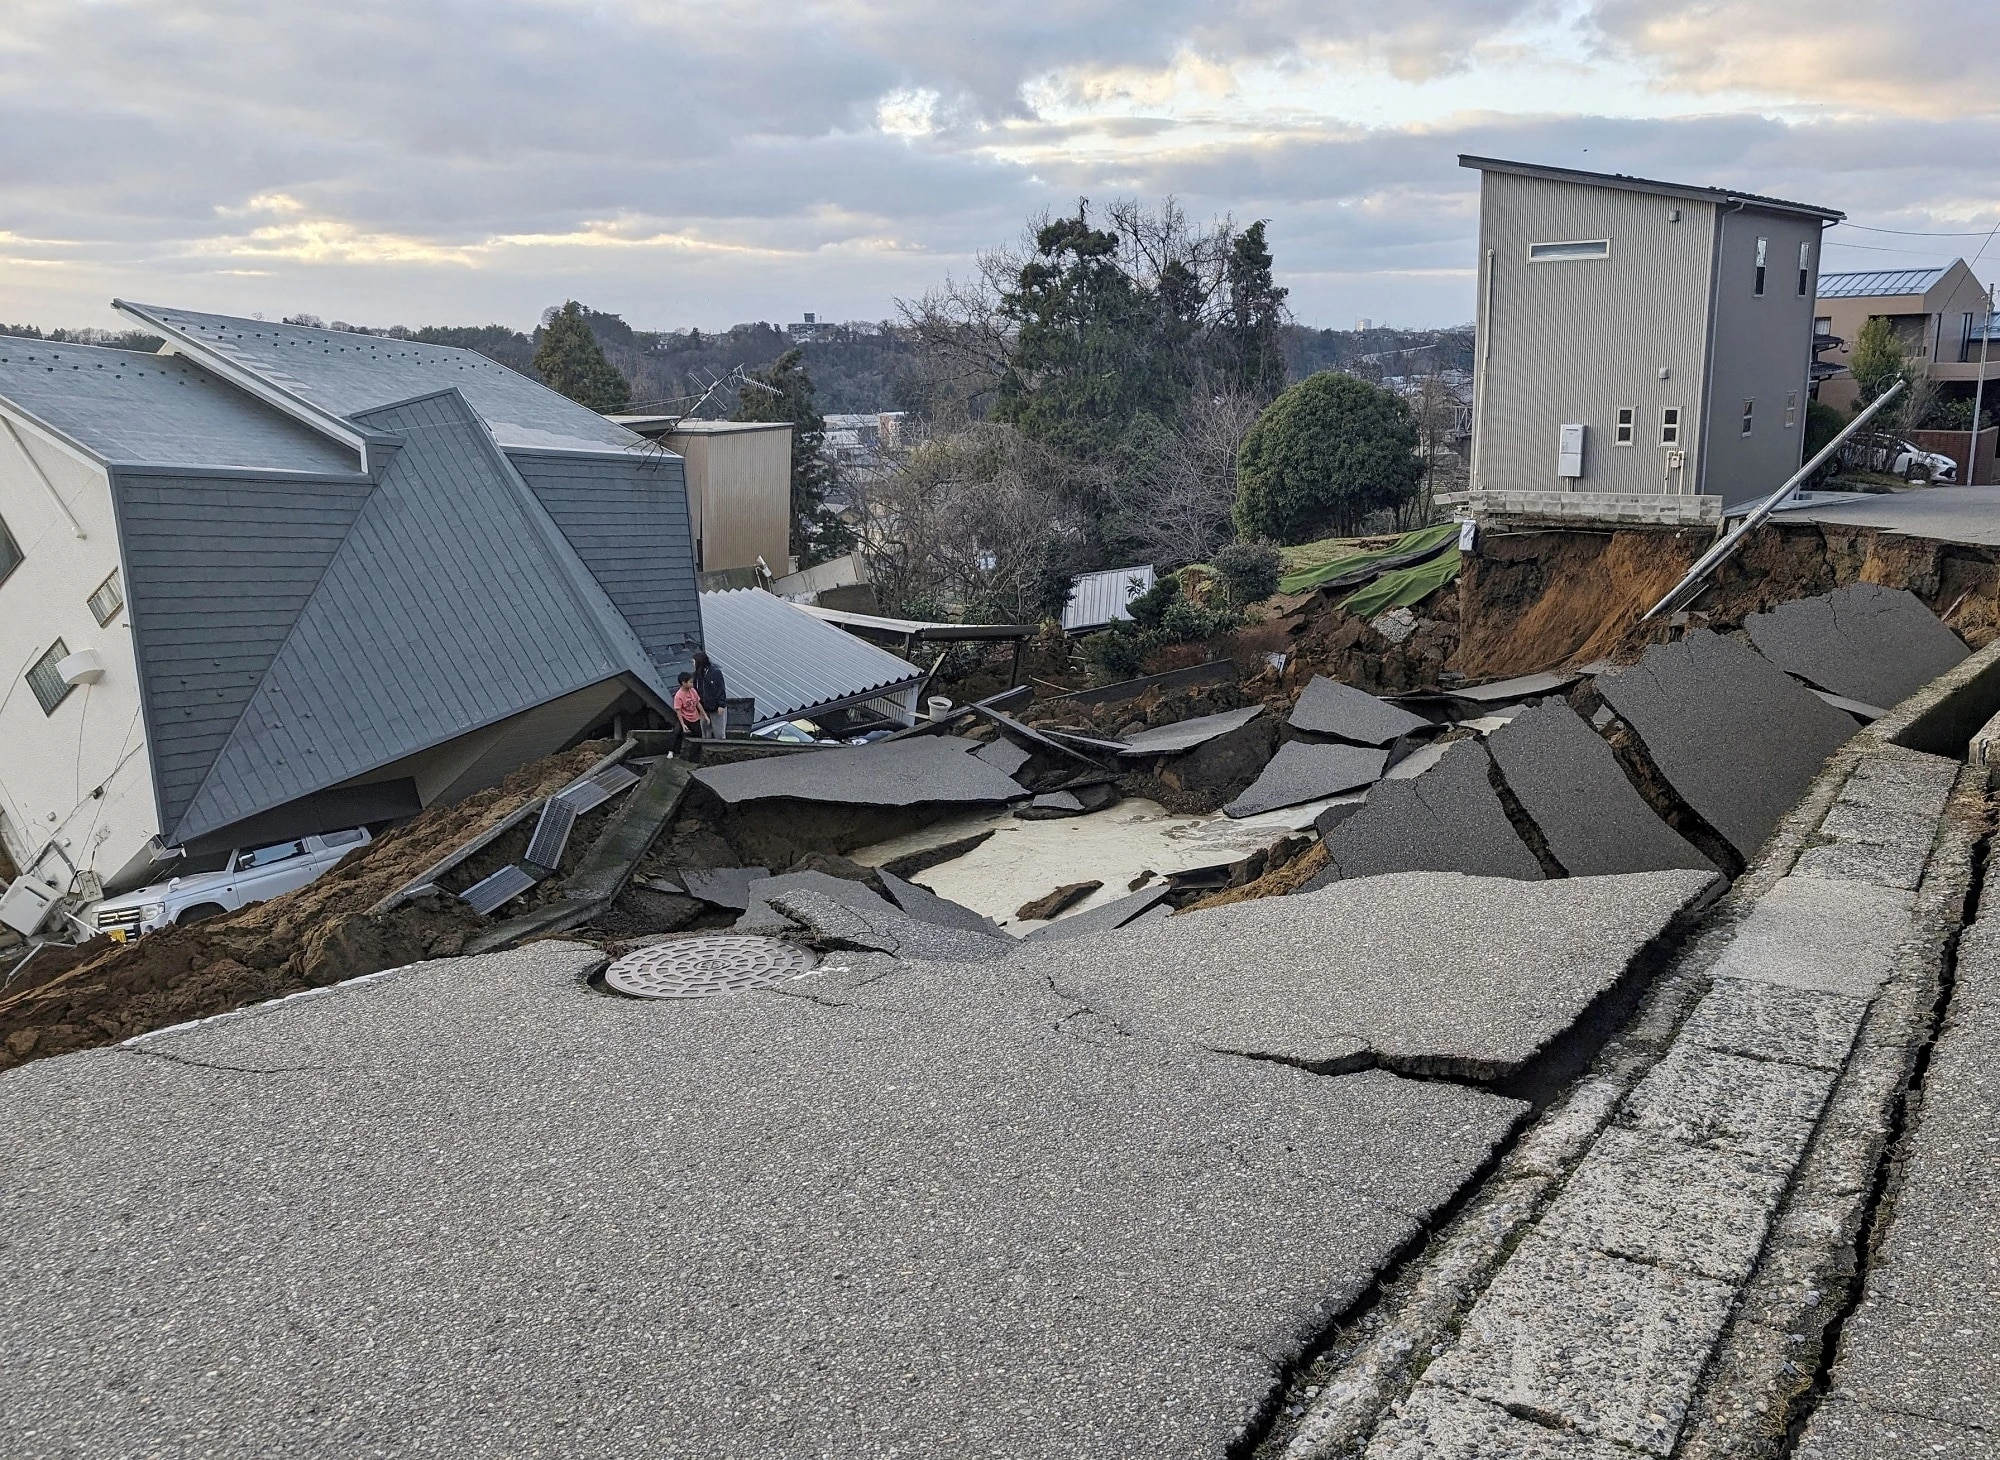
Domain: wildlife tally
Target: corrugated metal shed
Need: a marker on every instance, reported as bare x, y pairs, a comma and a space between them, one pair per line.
790, 661
1095, 599
348, 373
1871, 283
158, 409
452, 603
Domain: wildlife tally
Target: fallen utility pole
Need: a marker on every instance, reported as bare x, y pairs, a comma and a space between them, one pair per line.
1683, 592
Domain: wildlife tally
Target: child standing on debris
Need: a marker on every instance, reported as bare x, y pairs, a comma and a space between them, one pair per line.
687, 708
714, 697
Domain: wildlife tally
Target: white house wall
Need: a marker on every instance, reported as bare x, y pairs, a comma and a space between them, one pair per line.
53, 767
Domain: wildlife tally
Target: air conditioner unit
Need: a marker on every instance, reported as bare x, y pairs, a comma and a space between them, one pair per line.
27, 904
85, 666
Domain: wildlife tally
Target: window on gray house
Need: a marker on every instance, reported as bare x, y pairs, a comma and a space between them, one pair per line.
107, 600
1556, 253
1670, 425
1791, 409
1749, 413
1626, 416
10, 552
50, 688
1763, 257
1805, 268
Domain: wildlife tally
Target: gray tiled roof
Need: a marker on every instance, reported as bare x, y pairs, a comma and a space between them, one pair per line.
349, 373
1873, 283
159, 409
789, 660
452, 603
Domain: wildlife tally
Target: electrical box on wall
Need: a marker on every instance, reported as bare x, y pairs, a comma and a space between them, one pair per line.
1569, 452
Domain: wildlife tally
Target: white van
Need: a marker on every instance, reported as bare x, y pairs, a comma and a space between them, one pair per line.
254, 874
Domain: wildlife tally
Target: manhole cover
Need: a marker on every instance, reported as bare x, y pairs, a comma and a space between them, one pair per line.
702, 967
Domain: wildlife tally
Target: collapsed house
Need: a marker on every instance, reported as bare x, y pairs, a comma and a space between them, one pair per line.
279, 580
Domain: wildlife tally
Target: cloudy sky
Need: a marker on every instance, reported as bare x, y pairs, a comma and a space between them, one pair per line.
701, 162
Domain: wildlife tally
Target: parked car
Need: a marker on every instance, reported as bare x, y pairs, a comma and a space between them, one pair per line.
1904, 459
252, 874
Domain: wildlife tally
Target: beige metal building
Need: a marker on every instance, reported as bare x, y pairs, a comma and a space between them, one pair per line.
739, 487
1639, 337
1937, 314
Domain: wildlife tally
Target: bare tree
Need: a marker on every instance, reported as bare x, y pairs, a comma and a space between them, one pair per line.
1181, 513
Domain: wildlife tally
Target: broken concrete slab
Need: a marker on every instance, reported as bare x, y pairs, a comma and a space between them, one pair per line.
1053, 904
1758, 1107
1328, 707
1568, 781
1522, 687
1408, 760
745, 1226
922, 903
1004, 755
932, 770
722, 886
852, 924
761, 916
1185, 735
1301, 772
1050, 804
1449, 819
1424, 972
1643, 1196
1862, 642
1436, 1423
1816, 933
1111, 915
1736, 738
1598, 1344
1769, 1021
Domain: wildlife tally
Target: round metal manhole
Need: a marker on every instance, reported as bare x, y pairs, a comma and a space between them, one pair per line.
704, 966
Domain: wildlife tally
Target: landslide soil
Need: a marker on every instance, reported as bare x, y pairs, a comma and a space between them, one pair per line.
102, 992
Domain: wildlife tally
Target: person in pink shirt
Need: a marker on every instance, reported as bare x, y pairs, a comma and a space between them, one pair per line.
687, 709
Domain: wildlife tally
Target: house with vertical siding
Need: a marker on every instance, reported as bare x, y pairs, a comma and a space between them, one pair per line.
276, 580
1639, 337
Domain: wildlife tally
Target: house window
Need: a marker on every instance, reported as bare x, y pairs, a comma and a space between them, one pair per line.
1763, 257
1805, 268
1626, 416
1555, 253
107, 600
1670, 425
10, 551
1749, 413
1791, 410
50, 688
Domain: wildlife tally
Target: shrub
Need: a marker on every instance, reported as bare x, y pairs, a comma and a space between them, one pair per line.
1249, 571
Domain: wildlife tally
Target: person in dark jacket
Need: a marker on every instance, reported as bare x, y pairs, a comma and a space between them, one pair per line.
714, 696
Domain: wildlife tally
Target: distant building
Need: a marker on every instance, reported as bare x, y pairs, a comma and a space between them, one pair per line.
1937, 314
807, 330
1639, 336
277, 581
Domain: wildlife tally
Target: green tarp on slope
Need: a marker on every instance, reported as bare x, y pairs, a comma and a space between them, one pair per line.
1408, 549
1405, 586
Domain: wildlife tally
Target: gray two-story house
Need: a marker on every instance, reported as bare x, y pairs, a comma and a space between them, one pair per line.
1640, 337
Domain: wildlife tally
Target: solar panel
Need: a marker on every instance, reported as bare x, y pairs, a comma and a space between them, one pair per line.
593, 791
492, 893
545, 847
1870, 283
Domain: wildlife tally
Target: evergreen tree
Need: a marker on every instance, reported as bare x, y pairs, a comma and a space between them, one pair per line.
1252, 336
818, 533
570, 360
1323, 456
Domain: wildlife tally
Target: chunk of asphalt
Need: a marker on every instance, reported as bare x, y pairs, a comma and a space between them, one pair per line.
1004, 755
884, 929
1050, 806
1567, 779
1862, 642
1103, 919
1598, 1344
1737, 738
1187, 734
762, 915
1526, 686
722, 886
931, 770
1449, 819
921, 903
1300, 772
1328, 707
820, 1180
1425, 972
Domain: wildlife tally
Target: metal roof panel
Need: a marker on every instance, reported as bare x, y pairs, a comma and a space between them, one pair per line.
1879, 283
790, 661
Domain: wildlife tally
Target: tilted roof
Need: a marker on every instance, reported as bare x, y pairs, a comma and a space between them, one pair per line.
790, 661
346, 374
123, 406
1874, 283
1624, 183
